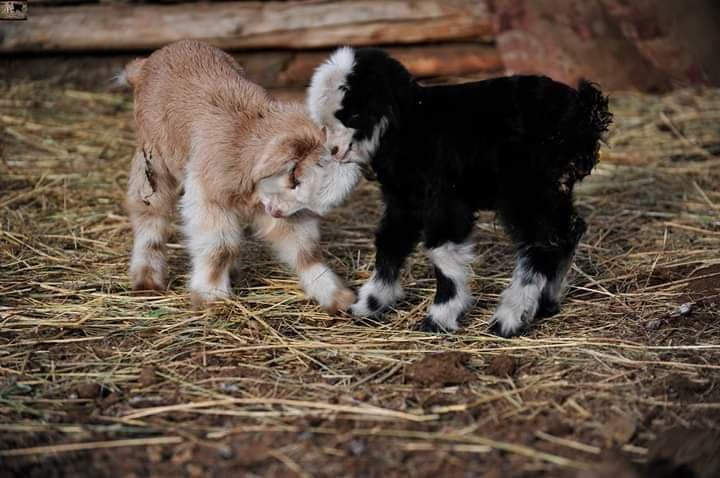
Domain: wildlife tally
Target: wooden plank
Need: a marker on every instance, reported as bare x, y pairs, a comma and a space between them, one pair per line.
422, 61
248, 25
272, 69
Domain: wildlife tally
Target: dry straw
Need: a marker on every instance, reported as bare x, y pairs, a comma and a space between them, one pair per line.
87, 365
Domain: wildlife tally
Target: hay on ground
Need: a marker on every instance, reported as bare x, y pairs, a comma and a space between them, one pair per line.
94, 379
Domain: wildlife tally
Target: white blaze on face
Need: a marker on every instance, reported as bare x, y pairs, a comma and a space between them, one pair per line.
325, 96
277, 195
331, 183
319, 188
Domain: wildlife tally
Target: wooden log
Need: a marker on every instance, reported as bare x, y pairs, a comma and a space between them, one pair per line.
272, 69
422, 61
248, 25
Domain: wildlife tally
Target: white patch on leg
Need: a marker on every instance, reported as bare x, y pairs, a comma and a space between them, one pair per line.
209, 230
292, 240
303, 236
202, 286
454, 261
321, 284
384, 293
519, 302
147, 254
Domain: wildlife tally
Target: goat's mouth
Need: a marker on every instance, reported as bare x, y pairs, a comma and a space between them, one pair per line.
344, 158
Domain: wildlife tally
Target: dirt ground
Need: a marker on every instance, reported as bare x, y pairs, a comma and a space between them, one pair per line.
96, 381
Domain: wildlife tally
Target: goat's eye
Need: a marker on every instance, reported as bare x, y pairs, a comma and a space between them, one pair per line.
294, 183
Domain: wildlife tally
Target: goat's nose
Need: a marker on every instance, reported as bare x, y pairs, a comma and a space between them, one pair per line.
334, 150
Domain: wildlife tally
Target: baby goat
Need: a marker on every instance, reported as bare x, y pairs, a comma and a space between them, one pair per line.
234, 155
515, 145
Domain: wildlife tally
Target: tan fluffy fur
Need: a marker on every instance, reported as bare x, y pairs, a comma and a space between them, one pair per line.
202, 127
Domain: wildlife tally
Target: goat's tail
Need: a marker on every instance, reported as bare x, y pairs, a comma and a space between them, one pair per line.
130, 75
590, 124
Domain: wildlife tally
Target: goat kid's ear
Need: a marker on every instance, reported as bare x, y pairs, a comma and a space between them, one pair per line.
390, 109
392, 113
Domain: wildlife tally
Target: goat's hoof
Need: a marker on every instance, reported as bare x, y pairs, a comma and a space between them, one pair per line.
547, 308
367, 308
342, 301
496, 328
429, 325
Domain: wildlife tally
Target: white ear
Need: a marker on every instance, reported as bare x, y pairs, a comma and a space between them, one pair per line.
324, 94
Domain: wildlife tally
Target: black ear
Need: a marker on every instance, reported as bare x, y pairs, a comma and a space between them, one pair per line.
398, 85
391, 107
393, 112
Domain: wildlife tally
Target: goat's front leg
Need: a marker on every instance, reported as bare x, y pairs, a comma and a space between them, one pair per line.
394, 240
214, 236
448, 224
296, 242
452, 297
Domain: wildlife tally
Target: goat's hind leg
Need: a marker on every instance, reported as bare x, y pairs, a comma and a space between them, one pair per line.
554, 288
151, 200
546, 240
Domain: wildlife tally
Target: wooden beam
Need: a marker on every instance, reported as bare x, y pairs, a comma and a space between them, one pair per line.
248, 25
422, 61
272, 69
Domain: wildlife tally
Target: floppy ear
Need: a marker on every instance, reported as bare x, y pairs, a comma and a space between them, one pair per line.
392, 108
393, 113
272, 159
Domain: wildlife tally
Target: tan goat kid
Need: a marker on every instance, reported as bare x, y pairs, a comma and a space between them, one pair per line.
231, 155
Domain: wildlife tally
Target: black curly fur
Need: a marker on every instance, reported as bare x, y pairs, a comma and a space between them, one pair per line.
515, 145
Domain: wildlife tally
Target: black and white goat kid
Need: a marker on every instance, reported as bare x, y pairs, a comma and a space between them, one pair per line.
515, 145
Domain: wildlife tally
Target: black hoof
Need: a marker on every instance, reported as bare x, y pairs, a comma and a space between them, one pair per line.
372, 304
430, 326
547, 308
496, 329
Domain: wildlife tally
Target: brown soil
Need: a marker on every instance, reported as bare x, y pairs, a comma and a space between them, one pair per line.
704, 285
446, 368
502, 366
